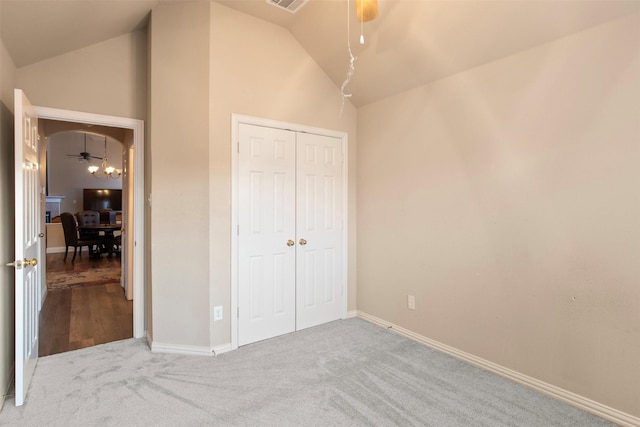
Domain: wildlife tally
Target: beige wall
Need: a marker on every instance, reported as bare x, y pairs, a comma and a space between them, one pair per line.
259, 69
179, 134
7, 75
105, 78
506, 199
55, 236
230, 67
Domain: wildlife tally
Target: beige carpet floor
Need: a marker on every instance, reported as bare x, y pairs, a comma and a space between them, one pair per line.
345, 373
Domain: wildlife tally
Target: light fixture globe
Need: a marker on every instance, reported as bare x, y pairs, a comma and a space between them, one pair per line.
366, 10
104, 170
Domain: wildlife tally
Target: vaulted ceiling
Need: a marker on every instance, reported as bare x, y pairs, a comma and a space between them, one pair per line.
411, 43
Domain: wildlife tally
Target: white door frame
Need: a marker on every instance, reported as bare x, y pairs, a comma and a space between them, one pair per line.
136, 242
236, 120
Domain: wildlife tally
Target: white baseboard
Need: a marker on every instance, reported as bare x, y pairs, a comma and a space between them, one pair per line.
223, 348
351, 313
180, 349
55, 250
7, 388
603, 411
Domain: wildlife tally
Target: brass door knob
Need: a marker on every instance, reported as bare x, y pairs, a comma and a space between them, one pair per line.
290, 243
303, 242
41, 235
30, 262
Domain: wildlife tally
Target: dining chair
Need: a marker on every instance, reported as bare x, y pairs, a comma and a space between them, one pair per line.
72, 238
88, 218
107, 217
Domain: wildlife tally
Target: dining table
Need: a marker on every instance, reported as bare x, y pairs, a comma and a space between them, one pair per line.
108, 237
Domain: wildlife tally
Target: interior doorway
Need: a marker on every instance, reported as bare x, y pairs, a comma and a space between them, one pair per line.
131, 133
88, 300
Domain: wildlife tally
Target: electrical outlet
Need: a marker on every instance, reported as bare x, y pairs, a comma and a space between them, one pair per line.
411, 302
217, 312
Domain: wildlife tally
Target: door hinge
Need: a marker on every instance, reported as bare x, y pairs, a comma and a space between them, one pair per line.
238, 231
238, 312
238, 146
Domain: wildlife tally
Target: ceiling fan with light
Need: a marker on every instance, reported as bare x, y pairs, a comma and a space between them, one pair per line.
83, 155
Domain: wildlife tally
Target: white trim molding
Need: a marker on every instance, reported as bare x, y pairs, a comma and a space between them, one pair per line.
351, 314
222, 348
573, 399
137, 238
57, 250
7, 389
192, 350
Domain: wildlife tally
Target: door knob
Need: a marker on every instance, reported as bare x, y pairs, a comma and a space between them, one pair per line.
290, 243
41, 235
303, 242
30, 262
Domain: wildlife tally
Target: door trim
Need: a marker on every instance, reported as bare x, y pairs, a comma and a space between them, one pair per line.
137, 243
236, 121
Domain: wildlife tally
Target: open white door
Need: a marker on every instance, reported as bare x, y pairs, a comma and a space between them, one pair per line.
127, 218
27, 250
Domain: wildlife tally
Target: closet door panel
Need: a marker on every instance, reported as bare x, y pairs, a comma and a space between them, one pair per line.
266, 274
319, 222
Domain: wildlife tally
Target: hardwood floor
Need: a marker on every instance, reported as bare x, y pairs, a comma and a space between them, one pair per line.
81, 317
55, 262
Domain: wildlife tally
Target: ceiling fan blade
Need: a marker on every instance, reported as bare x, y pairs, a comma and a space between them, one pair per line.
84, 155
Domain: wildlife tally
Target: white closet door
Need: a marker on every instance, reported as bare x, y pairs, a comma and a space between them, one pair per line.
320, 290
266, 258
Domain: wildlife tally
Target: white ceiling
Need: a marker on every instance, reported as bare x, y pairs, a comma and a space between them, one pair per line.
412, 42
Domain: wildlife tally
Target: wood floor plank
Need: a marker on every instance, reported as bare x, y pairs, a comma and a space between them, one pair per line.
99, 305
61, 324
102, 314
54, 323
120, 312
81, 325
47, 323
83, 316
76, 345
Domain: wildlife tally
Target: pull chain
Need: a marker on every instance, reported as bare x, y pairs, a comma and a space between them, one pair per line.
352, 67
